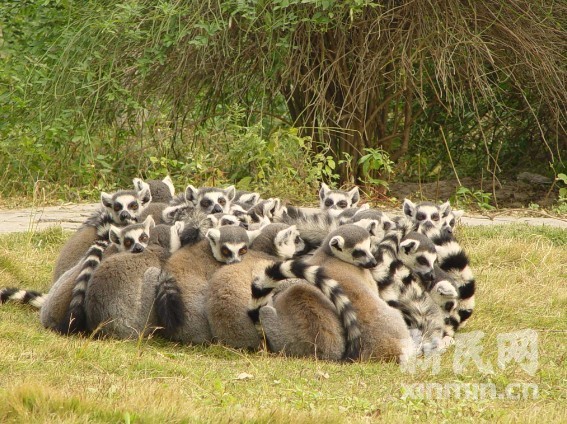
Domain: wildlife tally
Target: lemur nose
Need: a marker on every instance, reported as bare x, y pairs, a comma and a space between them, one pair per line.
217, 209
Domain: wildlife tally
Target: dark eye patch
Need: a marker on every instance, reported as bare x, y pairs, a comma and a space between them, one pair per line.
422, 260
342, 204
128, 242
222, 201
329, 202
144, 238
205, 203
226, 252
435, 217
420, 216
297, 240
358, 253
243, 250
117, 207
133, 205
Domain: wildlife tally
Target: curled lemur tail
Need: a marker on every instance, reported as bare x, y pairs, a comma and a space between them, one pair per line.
263, 286
75, 320
29, 297
169, 304
454, 261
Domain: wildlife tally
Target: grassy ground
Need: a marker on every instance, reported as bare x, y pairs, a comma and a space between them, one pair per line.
522, 284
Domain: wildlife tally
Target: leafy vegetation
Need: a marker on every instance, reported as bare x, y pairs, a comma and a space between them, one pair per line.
91, 91
48, 378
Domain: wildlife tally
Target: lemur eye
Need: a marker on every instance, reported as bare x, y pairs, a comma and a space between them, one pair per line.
243, 250
435, 217
452, 223
117, 207
128, 243
422, 261
420, 216
226, 252
222, 201
205, 203
144, 238
357, 253
329, 202
342, 204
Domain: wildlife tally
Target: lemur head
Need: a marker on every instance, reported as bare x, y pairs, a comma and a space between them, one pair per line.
133, 238
246, 199
426, 215
418, 253
352, 244
452, 220
125, 206
266, 211
210, 199
281, 240
162, 190
221, 219
375, 222
335, 201
229, 244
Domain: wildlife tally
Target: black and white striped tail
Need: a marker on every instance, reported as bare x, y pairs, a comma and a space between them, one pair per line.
453, 260
169, 304
28, 297
75, 320
263, 286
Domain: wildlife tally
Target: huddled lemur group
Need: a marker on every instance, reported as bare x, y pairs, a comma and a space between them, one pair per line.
345, 282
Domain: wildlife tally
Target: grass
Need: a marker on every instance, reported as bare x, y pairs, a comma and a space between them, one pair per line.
522, 284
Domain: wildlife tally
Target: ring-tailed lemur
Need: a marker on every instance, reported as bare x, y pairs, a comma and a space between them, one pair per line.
133, 238
118, 300
335, 201
186, 274
207, 199
121, 208
162, 191
228, 292
300, 323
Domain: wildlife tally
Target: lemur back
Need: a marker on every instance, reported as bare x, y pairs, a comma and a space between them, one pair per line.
340, 269
185, 276
228, 294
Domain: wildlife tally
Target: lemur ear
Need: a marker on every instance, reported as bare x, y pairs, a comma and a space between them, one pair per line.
114, 234
230, 192
169, 183
323, 191
149, 223
106, 199
144, 194
337, 242
214, 222
139, 184
409, 208
253, 234
409, 246
445, 209
250, 198
213, 235
191, 194
372, 227
354, 196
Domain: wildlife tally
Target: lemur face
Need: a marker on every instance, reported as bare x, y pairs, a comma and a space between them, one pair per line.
288, 243
125, 206
418, 253
336, 201
133, 238
352, 244
228, 244
211, 200
426, 215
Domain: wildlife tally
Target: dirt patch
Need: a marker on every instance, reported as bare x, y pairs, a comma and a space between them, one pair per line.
513, 193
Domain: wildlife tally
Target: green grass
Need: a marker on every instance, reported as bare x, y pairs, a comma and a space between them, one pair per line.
522, 284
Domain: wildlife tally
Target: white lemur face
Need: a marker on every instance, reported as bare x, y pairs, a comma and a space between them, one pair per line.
125, 206
336, 201
418, 253
211, 200
133, 238
352, 244
228, 244
426, 215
